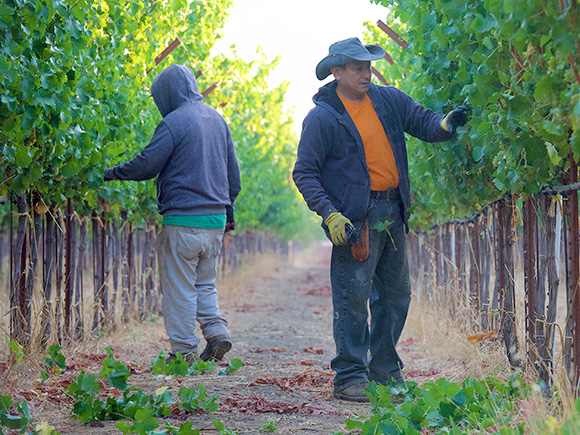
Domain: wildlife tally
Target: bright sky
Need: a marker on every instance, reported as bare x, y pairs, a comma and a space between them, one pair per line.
300, 31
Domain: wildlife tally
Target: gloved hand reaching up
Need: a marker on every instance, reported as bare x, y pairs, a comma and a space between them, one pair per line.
109, 174
336, 224
455, 118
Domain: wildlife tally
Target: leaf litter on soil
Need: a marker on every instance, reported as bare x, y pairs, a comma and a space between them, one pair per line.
272, 333
257, 405
321, 291
312, 377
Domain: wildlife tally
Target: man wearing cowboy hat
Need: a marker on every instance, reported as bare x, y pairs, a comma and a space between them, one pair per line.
352, 170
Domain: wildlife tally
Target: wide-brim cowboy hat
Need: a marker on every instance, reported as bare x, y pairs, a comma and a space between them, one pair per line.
345, 51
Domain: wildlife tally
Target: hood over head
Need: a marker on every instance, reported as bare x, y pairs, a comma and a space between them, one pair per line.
174, 87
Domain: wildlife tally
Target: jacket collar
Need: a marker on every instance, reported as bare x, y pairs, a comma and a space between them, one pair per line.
328, 98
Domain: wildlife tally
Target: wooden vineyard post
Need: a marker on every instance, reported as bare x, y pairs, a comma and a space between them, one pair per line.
103, 290
547, 270
68, 267
49, 262
125, 280
416, 252
505, 243
22, 286
99, 249
2, 250
499, 261
485, 264
79, 287
447, 263
152, 289
130, 281
18, 284
117, 261
424, 255
147, 297
11, 285
475, 269
495, 294
529, 213
459, 277
573, 270
464, 253
427, 255
437, 264
33, 237
96, 272
60, 239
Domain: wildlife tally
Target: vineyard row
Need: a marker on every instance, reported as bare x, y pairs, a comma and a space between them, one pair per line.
477, 266
71, 277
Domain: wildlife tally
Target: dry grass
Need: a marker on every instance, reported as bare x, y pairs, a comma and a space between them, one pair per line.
444, 340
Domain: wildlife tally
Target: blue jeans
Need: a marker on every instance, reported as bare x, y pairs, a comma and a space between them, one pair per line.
381, 283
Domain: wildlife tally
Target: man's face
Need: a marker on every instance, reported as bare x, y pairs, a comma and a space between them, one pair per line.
354, 80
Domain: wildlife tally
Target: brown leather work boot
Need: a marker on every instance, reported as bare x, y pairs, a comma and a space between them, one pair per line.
354, 393
216, 348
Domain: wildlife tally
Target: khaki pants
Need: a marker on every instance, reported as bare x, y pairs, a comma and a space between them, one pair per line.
187, 271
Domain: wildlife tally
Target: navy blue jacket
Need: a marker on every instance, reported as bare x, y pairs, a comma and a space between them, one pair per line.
331, 170
192, 151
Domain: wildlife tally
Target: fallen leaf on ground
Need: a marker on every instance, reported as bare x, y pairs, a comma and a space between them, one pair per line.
485, 335
324, 291
408, 342
309, 349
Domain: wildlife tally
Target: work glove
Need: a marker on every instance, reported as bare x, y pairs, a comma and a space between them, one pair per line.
455, 118
109, 174
230, 223
337, 224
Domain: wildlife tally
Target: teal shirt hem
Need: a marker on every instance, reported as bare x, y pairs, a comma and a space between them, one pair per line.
211, 221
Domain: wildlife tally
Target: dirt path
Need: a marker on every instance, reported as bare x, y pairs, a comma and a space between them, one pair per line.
281, 324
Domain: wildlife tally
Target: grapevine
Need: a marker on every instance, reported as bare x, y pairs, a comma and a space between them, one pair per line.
515, 64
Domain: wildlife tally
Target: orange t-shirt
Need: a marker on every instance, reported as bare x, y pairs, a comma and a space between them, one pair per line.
378, 150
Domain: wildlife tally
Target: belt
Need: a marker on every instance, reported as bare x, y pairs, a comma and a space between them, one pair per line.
391, 194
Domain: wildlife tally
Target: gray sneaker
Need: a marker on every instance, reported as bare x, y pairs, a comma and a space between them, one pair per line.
354, 393
216, 348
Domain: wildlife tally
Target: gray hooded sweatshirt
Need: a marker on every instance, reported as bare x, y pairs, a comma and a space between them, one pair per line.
192, 151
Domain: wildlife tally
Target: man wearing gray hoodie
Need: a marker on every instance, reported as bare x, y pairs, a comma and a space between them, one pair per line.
198, 179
